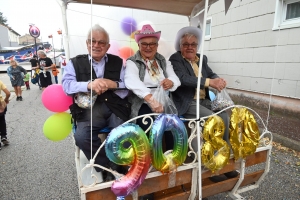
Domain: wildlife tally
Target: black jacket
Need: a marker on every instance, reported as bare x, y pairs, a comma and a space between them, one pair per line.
185, 93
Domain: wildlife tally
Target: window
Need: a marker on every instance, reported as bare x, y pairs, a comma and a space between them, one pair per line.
287, 14
208, 28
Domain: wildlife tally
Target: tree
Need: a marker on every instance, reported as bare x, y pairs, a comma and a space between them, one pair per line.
3, 19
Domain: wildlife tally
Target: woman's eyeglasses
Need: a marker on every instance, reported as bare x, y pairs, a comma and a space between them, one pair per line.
186, 45
101, 43
151, 45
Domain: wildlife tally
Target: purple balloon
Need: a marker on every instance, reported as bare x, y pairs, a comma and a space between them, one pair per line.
128, 25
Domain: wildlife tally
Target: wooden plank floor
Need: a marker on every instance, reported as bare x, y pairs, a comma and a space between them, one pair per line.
159, 185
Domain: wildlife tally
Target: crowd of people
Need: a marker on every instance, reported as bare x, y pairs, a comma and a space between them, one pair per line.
125, 90
136, 81
44, 71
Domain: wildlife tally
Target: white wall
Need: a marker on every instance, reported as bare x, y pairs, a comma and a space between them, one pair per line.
80, 21
244, 49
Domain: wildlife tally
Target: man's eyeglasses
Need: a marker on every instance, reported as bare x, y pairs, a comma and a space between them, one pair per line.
101, 43
186, 45
151, 45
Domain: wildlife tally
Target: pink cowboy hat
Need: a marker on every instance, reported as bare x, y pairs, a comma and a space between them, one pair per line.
147, 31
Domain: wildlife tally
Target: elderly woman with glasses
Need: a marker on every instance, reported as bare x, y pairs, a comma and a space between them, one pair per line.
186, 62
16, 74
145, 70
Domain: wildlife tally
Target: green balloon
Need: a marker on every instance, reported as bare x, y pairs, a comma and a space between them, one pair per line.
58, 126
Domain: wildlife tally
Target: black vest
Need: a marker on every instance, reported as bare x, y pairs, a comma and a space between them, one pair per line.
120, 107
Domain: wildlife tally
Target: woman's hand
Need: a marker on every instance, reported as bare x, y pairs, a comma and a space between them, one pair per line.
167, 84
155, 106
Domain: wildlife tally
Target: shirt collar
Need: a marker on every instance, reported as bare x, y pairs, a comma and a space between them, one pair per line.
94, 61
195, 61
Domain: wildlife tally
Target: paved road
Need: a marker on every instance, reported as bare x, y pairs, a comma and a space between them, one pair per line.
34, 168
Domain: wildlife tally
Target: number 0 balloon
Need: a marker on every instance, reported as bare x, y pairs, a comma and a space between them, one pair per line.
163, 123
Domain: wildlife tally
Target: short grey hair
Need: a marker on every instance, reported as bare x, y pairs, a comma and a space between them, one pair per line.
42, 52
100, 29
188, 35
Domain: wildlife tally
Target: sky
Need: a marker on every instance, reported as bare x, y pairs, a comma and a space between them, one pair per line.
45, 14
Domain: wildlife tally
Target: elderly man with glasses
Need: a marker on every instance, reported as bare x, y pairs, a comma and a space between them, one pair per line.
186, 65
102, 73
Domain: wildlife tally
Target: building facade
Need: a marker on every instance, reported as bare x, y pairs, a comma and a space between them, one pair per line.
256, 48
9, 37
27, 39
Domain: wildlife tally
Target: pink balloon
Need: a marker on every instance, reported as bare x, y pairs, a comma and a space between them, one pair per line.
114, 47
55, 100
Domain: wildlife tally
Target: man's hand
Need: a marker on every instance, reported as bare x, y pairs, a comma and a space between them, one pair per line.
167, 84
217, 83
99, 85
155, 106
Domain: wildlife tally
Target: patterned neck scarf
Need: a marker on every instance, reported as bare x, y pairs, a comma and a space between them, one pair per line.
152, 69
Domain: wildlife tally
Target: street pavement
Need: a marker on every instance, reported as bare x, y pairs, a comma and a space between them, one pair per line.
35, 168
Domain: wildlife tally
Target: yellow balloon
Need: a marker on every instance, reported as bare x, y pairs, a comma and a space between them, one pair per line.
244, 133
213, 132
58, 126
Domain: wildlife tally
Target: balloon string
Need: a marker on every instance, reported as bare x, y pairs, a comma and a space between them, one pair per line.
275, 64
91, 91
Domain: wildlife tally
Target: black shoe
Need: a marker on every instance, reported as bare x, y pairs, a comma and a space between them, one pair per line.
231, 174
109, 177
119, 168
218, 178
5, 141
20, 99
147, 197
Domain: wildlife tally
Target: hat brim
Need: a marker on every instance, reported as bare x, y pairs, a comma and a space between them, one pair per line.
139, 36
189, 29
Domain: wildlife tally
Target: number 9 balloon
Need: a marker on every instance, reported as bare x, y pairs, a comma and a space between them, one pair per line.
137, 155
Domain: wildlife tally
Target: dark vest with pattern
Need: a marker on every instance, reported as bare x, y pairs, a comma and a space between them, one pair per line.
120, 107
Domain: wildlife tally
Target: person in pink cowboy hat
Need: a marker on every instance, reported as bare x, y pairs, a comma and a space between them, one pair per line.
147, 69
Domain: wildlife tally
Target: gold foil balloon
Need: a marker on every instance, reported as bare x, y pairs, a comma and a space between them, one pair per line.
244, 133
215, 151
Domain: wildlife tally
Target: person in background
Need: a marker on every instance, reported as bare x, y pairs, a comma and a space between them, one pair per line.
186, 65
62, 62
14, 71
55, 72
3, 109
34, 66
26, 81
45, 65
111, 108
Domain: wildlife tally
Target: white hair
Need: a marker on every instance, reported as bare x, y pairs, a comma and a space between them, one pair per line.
188, 35
100, 29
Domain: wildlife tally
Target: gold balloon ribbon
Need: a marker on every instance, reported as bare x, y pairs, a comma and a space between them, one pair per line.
244, 133
215, 151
